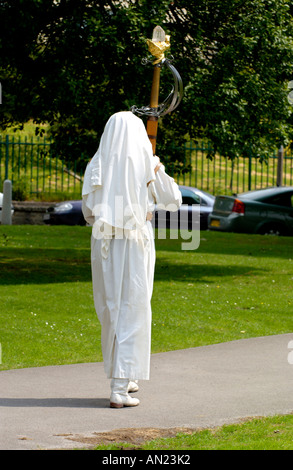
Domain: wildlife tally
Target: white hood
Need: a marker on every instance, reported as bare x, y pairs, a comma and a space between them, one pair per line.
115, 180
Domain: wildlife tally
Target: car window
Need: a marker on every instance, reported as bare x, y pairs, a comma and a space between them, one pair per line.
284, 200
191, 200
203, 202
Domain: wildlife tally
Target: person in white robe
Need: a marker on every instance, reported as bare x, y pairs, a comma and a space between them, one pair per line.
122, 184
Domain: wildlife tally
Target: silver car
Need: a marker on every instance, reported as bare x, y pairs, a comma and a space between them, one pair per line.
196, 207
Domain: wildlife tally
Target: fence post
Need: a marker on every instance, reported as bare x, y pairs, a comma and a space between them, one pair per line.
6, 205
249, 169
280, 166
6, 157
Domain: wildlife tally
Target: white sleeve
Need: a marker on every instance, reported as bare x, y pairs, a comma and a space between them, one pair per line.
150, 169
87, 209
165, 191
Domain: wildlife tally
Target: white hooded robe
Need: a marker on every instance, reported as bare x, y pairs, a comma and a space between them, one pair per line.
120, 186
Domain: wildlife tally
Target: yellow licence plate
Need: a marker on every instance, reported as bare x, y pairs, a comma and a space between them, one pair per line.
215, 223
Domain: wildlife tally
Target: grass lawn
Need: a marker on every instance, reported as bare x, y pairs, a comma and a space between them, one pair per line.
272, 433
233, 286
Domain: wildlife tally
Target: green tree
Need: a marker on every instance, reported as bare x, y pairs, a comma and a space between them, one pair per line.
237, 58
73, 63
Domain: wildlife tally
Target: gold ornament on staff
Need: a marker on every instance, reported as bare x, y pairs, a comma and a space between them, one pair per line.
157, 46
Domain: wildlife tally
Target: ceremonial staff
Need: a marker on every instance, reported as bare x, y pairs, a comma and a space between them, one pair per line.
159, 43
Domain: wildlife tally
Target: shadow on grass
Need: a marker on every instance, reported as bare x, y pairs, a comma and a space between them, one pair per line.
201, 273
259, 246
46, 266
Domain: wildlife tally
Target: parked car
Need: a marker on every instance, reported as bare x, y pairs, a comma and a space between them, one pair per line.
1, 203
65, 213
265, 211
195, 203
195, 209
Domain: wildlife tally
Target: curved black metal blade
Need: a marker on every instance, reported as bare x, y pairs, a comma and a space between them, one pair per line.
171, 102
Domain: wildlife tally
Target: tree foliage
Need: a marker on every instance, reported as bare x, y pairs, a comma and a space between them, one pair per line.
240, 56
74, 63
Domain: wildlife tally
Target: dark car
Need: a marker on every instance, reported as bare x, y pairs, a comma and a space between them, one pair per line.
196, 203
65, 213
265, 211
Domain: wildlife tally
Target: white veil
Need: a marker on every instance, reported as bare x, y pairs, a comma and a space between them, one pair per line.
115, 190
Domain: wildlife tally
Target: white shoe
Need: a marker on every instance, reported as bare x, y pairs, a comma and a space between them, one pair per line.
133, 386
119, 394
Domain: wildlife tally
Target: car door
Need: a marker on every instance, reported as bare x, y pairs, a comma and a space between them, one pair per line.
186, 218
189, 212
289, 215
280, 210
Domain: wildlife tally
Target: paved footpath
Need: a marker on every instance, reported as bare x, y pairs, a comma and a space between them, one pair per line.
43, 408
